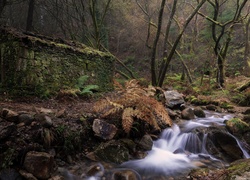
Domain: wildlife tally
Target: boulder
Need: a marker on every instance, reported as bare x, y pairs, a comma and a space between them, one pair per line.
112, 151
10, 115
103, 129
96, 170
199, 112
125, 174
187, 113
40, 164
212, 107
27, 119
223, 145
237, 126
173, 99
146, 142
172, 114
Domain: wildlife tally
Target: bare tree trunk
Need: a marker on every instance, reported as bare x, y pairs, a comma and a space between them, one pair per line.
247, 49
2, 5
154, 48
172, 51
29, 23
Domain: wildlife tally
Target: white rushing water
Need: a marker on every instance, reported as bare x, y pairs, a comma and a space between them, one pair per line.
179, 149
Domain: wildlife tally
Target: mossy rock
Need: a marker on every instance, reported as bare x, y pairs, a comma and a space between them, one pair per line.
236, 125
112, 151
237, 170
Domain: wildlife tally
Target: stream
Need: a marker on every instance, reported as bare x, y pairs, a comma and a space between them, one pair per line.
180, 149
188, 145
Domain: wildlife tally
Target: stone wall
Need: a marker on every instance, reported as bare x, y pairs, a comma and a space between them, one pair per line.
35, 64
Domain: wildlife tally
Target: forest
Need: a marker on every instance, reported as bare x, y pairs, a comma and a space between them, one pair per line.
124, 89
150, 39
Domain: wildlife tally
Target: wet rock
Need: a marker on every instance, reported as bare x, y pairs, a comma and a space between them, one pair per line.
103, 129
146, 142
212, 107
130, 144
10, 115
40, 164
199, 112
183, 106
172, 114
125, 175
112, 151
173, 99
246, 136
236, 125
27, 119
223, 146
187, 113
96, 170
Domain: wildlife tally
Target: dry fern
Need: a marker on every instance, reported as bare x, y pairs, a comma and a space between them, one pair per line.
134, 102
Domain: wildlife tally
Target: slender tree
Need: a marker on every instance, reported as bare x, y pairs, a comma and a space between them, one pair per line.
29, 23
247, 48
167, 59
2, 5
222, 32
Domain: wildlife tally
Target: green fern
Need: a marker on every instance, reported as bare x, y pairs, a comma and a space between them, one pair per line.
81, 81
85, 89
89, 89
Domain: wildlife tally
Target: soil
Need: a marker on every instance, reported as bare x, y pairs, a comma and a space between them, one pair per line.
75, 109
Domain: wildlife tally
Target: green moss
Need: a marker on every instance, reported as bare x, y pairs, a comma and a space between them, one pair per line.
112, 151
236, 125
226, 105
45, 66
238, 168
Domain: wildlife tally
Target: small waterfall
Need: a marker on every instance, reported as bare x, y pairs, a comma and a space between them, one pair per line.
246, 155
180, 149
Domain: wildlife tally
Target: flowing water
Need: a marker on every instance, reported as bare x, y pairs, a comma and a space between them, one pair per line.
180, 149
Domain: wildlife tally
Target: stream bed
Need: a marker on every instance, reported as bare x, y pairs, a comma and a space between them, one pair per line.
190, 144
183, 147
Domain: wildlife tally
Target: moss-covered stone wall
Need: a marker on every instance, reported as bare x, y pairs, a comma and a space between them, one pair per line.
40, 64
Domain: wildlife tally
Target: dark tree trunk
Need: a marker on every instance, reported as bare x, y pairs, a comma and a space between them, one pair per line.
2, 5
221, 72
29, 23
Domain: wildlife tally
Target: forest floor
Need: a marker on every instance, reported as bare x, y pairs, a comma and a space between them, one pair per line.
74, 108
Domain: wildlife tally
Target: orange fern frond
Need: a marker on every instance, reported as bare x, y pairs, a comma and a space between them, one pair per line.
128, 119
135, 103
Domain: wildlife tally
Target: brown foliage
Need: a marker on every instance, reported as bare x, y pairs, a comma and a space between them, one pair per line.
132, 103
